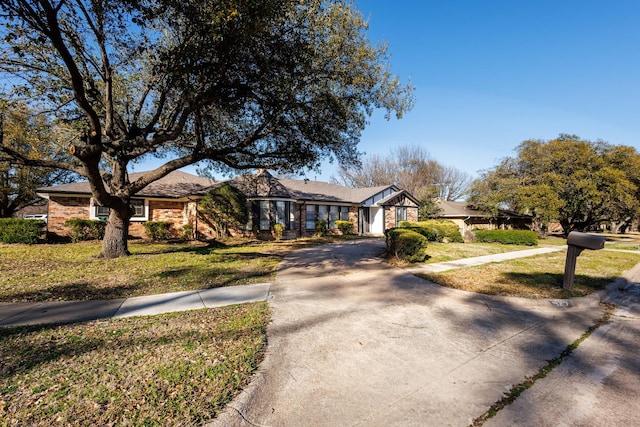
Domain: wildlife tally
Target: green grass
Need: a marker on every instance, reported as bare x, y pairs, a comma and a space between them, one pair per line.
72, 271
442, 252
174, 369
539, 276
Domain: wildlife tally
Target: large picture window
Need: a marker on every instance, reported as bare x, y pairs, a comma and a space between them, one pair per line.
270, 212
328, 213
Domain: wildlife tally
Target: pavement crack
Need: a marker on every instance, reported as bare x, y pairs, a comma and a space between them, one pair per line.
517, 389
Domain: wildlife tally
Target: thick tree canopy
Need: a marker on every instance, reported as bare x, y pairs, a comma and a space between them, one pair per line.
280, 84
34, 136
575, 182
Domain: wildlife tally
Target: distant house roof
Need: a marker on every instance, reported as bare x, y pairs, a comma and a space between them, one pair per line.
175, 185
449, 209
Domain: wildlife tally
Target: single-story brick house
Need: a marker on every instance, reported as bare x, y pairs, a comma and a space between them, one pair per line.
467, 217
296, 204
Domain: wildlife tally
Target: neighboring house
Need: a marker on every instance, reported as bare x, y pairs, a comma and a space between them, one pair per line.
297, 204
467, 217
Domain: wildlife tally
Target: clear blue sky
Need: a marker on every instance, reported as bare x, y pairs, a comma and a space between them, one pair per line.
491, 74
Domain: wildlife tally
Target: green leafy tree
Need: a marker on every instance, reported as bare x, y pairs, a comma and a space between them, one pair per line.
280, 84
225, 206
575, 182
34, 138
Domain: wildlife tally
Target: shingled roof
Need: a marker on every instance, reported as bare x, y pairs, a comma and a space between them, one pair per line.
178, 184
451, 209
175, 185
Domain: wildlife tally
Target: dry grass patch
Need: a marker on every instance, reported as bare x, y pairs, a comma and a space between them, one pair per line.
539, 276
174, 369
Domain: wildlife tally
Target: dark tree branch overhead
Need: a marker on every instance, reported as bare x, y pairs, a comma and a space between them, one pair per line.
278, 83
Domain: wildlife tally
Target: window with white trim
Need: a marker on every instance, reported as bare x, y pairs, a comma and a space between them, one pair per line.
140, 209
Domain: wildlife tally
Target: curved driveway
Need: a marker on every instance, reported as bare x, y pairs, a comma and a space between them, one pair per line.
355, 342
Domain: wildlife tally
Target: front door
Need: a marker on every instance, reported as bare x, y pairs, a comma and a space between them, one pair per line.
363, 220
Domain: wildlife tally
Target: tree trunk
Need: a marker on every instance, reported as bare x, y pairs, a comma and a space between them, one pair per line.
115, 243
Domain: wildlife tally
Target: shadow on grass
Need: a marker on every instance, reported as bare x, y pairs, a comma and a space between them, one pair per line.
81, 291
552, 283
168, 248
40, 344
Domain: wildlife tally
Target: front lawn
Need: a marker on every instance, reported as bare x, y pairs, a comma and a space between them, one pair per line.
72, 271
539, 276
166, 370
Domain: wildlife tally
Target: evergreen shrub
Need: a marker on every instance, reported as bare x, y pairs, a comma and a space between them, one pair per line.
157, 230
86, 229
18, 230
345, 227
406, 244
507, 237
436, 230
321, 228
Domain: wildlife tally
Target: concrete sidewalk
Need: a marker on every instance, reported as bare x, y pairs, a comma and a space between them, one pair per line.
13, 314
479, 260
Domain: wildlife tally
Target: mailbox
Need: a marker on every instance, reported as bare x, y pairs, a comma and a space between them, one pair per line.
577, 242
585, 240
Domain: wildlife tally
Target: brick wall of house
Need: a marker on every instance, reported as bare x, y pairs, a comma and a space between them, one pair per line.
389, 217
62, 209
353, 217
412, 214
167, 211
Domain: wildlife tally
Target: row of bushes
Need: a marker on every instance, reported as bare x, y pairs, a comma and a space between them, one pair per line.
89, 229
435, 230
409, 241
507, 237
18, 230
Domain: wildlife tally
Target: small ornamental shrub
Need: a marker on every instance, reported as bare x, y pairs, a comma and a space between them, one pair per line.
187, 232
345, 227
507, 237
157, 230
18, 230
278, 230
86, 229
406, 245
321, 228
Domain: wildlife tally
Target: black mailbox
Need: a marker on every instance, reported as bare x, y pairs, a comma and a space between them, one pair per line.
585, 240
578, 242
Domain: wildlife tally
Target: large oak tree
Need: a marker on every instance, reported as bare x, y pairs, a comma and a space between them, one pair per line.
576, 182
280, 84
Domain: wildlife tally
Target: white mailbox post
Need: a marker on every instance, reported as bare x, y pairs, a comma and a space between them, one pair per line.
578, 242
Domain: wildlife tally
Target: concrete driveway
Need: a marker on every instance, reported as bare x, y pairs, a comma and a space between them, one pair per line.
357, 343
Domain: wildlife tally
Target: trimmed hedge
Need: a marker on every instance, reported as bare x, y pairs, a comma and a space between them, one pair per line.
157, 230
346, 227
508, 237
86, 229
18, 230
435, 230
406, 244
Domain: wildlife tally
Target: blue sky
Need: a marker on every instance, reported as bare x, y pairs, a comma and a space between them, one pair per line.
491, 74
